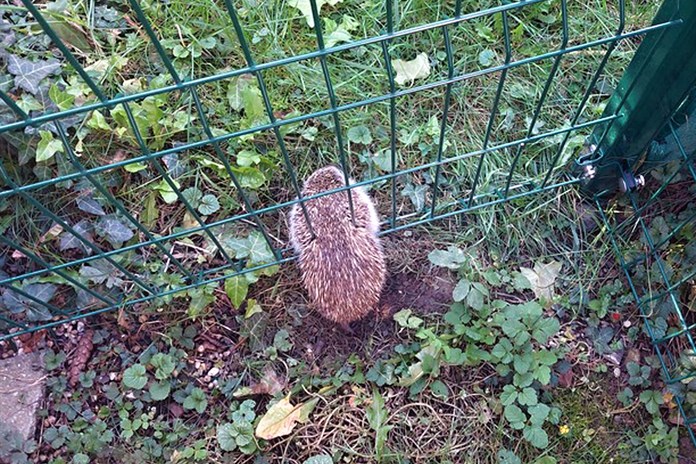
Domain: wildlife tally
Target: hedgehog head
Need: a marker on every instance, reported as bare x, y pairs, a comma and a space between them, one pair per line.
327, 178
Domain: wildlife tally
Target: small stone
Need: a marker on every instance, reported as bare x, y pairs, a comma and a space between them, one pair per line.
617, 372
22, 379
627, 324
213, 372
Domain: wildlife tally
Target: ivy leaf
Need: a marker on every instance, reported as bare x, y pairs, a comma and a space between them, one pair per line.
259, 251
115, 231
63, 100
236, 288
280, 420
208, 205
29, 74
409, 71
35, 311
68, 241
134, 377
89, 205
98, 121
536, 436
305, 8
415, 193
47, 147
160, 390
196, 400
360, 134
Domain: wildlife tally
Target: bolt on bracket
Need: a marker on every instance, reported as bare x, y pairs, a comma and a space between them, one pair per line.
628, 182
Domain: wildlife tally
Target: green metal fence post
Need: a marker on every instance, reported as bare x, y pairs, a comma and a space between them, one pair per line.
660, 76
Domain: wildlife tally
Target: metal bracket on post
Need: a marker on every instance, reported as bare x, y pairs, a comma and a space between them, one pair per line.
654, 85
630, 182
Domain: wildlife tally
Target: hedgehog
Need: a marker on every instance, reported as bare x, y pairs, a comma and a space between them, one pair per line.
342, 263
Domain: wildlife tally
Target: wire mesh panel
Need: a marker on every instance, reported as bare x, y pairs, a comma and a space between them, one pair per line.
661, 266
122, 186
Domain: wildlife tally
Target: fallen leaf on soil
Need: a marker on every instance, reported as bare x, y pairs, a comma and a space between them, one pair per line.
408, 71
270, 384
542, 278
280, 419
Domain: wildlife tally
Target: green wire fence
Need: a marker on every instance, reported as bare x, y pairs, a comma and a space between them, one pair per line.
29, 304
655, 146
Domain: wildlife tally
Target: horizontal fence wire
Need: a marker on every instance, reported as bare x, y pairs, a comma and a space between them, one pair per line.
660, 272
144, 246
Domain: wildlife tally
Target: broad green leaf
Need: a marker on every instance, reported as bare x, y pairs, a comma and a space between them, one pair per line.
236, 288
305, 8
248, 158
227, 436
249, 177
360, 134
461, 290
508, 457
159, 390
515, 416
193, 196
135, 167
508, 395
47, 147
536, 436
134, 377
538, 413
545, 328
452, 258
522, 362
439, 389
409, 71
196, 400
405, 319
279, 421
527, 397
164, 365
166, 191
209, 204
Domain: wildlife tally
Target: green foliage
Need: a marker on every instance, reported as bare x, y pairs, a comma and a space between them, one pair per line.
135, 377
196, 400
